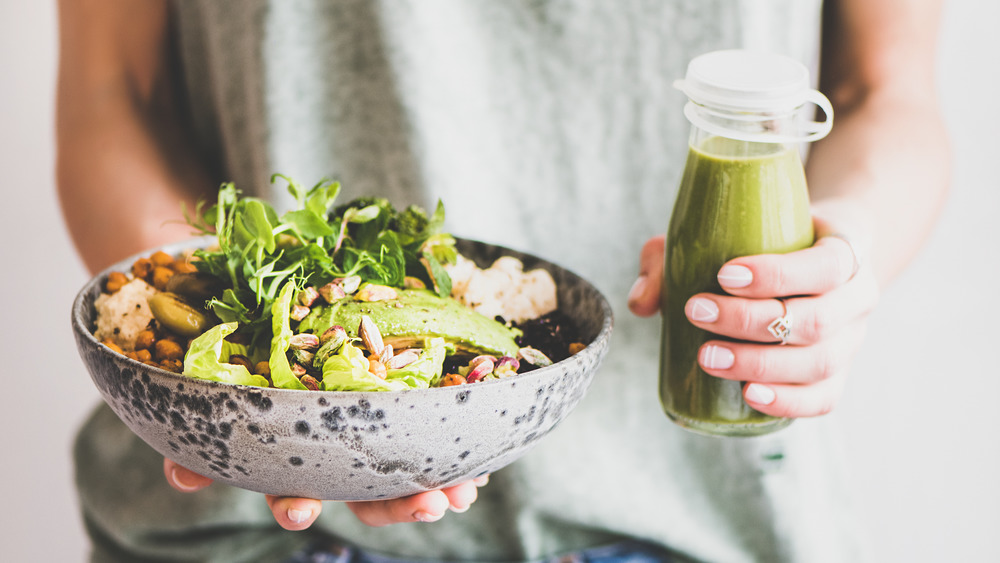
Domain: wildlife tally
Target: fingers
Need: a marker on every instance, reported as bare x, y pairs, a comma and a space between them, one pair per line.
294, 513
430, 506
423, 507
813, 318
826, 265
183, 479
799, 365
795, 401
644, 298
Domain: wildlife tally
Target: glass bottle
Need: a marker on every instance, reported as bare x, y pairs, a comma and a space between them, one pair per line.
743, 192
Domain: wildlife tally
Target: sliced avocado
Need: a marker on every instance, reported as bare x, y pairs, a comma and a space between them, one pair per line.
414, 315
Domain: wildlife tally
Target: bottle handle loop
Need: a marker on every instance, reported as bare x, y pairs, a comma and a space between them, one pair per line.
811, 131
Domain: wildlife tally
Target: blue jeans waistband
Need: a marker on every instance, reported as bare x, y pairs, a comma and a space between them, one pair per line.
623, 552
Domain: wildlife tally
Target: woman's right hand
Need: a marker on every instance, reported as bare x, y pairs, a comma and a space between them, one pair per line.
293, 513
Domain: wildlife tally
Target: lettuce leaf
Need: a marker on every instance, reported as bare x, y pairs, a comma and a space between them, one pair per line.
347, 370
205, 359
281, 371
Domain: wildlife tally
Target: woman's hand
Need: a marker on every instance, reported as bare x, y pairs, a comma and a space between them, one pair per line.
827, 292
299, 513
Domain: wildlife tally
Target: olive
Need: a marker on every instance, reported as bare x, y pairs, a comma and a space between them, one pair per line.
178, 317
196, 286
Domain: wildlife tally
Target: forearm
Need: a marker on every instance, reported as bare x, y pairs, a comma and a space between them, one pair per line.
886, 165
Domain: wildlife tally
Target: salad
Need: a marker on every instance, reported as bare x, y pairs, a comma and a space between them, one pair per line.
355, 297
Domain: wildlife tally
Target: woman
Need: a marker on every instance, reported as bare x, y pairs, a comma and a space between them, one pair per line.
548, 126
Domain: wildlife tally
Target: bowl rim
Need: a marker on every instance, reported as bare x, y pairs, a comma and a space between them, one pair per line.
598, 344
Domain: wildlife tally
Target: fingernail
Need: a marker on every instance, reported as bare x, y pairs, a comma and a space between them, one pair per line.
760, 394
422, 516
175, 474
704, 310
735, 276
459, 509
717, 357
638, 290
299, 516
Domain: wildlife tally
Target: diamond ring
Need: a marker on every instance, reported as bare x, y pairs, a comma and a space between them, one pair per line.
781, 327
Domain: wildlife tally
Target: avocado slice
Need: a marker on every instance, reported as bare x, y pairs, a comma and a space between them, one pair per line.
414, 315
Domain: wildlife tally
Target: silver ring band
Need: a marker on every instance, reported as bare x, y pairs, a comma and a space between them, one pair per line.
854, 253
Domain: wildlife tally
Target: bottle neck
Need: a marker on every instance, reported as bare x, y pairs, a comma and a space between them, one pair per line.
790, 127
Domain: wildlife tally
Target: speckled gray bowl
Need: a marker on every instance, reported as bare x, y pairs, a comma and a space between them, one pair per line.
343, 445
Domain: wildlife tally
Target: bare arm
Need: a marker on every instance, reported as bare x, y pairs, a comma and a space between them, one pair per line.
888, 153
123, 165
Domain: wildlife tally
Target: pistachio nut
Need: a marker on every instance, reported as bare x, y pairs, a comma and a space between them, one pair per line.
534, 357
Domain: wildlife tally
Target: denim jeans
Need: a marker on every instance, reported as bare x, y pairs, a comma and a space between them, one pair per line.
625, 552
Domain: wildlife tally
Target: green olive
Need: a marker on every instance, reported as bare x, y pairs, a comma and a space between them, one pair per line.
196, 286
177, 316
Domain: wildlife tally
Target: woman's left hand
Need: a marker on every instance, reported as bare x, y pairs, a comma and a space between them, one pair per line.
825, 291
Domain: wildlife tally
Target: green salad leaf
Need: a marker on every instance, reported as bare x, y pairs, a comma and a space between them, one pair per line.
208, 356
260, 252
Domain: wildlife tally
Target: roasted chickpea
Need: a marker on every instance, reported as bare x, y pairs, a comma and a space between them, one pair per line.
161, 276
168, 350
142, 267
115, 282
262, 368
161, 258
451, 379
145, 340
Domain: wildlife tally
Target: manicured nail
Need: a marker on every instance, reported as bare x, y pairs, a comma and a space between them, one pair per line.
704, 310
717, 357
180, 483
735, 276
459, 509
760, 394
299, 516
638, 290
422, 516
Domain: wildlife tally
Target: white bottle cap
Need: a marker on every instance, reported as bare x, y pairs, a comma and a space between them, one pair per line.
757, 82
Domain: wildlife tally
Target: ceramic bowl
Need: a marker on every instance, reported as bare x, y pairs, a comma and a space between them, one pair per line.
348, 445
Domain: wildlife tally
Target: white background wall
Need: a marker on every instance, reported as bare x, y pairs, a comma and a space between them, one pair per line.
921, 415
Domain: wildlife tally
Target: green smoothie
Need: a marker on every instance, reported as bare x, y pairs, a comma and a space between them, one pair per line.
736, 198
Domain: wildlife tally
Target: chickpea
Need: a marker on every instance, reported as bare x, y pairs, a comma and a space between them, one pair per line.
161, 258
168, 350
114, 347
184, 267
115, 281
142, 267
262, 368
452, 379
145, 340
143, 355
161, 276
576, 347
175, 366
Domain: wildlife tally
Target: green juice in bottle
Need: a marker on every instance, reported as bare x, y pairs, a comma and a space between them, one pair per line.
743, 192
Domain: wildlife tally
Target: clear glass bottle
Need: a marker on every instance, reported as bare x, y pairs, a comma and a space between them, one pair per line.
743, 192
